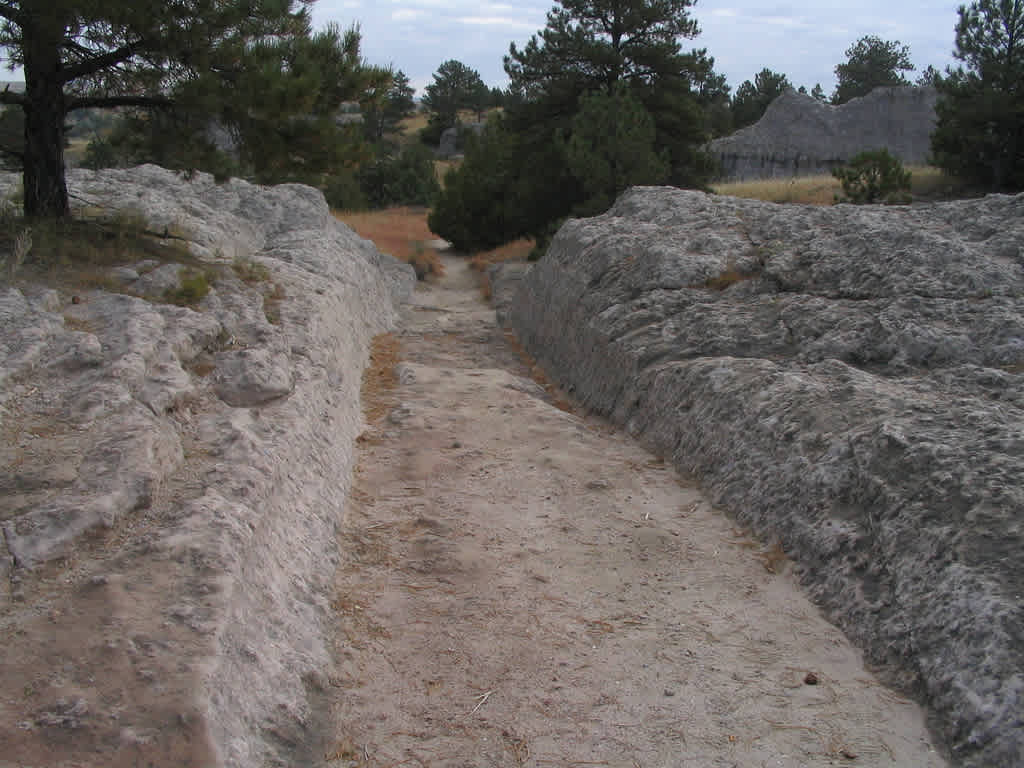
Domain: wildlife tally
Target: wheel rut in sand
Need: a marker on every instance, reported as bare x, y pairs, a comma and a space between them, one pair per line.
523, 586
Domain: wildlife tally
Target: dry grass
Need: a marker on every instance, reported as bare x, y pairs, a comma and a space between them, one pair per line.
402, 232
729, 277
413, 125
397, 231
514, 251
425, 262
558, 398
927, 182
441, 168
272, 299
813, 190
379, 378
78, 254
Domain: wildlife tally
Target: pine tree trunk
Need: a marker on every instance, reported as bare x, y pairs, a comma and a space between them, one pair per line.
46, 192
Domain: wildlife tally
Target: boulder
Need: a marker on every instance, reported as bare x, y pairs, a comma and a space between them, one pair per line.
452, 139
846, 380
800, 136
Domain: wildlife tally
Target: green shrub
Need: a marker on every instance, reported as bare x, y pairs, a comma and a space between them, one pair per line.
872, 177
407, 178
101, 153
343, 192
194, 287
425, 261
250, 271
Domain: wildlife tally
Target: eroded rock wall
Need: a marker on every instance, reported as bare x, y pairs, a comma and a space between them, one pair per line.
800, 136
847, 380
178, 475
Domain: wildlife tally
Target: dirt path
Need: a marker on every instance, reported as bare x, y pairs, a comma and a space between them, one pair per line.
522, 586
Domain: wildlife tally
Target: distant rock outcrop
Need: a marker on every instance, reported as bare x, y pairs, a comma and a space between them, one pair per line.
799, 136
206, 450
847, 380
451, 138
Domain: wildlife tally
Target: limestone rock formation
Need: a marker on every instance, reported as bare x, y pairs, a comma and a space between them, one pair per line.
451, 138
800, 136
184, 470
846, 380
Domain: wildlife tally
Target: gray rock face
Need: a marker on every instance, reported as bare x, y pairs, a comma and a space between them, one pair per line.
800, 136
848, 380
450, 139
115, 408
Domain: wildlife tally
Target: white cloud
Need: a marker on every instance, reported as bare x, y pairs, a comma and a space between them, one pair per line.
804, 41
497, 21
406, 14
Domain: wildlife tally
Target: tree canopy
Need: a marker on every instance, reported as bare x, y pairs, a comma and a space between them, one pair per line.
397, 104
752, 98
455, 87
612, 147
244, 63
980, 130
870, 63
608, 52
711, 90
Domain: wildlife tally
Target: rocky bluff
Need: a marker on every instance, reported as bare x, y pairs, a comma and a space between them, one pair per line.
800, 136
173, 477
846, 380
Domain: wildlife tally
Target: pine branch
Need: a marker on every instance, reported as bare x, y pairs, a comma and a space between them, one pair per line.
7, 96
9, 13
101, 62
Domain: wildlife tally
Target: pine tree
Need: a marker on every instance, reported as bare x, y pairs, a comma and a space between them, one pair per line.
612, 148
455, 87
525, 183
181, 55
980, 130
753, 98
591, 45
871, 63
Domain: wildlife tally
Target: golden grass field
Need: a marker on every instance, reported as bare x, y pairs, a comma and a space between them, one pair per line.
926, 182
402, 232
398, 231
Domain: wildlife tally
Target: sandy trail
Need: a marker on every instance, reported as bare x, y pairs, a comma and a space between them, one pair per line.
524, 586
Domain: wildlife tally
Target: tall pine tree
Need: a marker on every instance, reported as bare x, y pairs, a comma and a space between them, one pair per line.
980, 130
619, 49
157, 54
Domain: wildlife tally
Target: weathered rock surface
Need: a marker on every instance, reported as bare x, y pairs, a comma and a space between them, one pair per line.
180, 473
848, 380
798, 135
452, 138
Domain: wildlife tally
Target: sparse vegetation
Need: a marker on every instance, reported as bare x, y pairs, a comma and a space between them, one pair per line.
78, 253
872, 177
927, 182
425, 262
728, 278
517, 250
272, 303
195, 284
250, 271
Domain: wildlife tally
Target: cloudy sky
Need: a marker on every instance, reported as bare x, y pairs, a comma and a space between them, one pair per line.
802, 40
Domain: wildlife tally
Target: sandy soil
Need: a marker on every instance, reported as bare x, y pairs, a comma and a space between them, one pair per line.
526, 586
